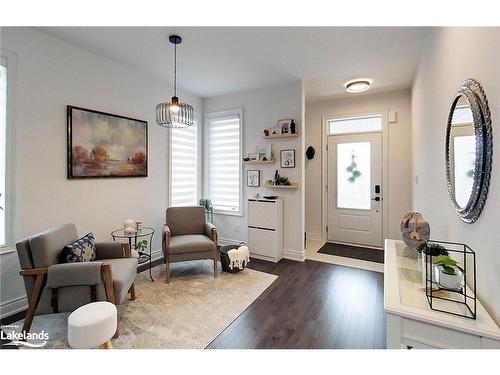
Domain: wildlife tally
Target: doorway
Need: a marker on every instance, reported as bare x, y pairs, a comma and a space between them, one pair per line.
354, 181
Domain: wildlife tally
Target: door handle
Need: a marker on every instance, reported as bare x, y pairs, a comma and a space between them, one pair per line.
377, 199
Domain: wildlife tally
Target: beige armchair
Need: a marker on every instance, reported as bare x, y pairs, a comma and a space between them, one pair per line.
187, 236
53, 287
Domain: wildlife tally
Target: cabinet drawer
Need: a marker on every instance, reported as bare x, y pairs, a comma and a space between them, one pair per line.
262, 214
263, 242
412, 344
437, 336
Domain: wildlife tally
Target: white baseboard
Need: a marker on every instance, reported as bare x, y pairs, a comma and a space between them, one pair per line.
287, 254
229, 241
156, 254
313, 236
13, 306
298, 256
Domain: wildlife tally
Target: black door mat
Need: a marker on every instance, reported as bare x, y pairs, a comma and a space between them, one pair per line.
355, 252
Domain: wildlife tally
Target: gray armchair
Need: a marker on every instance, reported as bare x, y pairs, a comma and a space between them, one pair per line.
187, 236
53, 287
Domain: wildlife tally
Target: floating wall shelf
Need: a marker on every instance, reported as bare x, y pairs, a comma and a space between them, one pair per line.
273, 136
293, 185
259, 161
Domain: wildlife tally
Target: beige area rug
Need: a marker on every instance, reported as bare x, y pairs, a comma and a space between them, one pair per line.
190, 312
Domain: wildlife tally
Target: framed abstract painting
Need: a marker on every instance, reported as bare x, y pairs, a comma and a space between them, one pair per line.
103, 145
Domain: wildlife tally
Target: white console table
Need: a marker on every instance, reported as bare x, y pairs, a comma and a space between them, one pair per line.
410, 321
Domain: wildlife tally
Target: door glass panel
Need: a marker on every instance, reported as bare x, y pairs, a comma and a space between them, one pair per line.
353, 175
464, 159
355, 125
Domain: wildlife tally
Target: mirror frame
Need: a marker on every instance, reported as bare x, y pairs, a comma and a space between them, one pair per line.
476, 97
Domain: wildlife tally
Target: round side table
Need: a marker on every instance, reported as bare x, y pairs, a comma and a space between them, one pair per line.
144, 232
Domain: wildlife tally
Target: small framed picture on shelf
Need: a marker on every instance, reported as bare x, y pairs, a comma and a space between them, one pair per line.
284, 126
264, 152
253, 178
287, 158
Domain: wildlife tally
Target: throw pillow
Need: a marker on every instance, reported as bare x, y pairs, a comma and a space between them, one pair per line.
82, 250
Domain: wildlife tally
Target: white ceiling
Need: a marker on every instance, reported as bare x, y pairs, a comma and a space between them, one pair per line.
222, 60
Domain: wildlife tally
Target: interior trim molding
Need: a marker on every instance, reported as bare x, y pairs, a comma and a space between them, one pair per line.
7, 250
298, 256
229, 241
313, 236
13, 306
155, 255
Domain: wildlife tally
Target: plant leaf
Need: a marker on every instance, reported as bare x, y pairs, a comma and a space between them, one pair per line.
449, 270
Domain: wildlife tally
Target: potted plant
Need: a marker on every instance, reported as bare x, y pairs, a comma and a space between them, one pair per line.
284, 181
449, 275
433, 250
139, 248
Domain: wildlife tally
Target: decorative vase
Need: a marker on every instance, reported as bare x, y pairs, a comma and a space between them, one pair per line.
276, 178
129, 226
414, 229
446, 281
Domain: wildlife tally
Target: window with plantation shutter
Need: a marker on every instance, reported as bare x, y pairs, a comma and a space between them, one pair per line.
184, 166
224, 161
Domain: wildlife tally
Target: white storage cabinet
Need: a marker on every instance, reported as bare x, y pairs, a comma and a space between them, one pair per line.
265, 229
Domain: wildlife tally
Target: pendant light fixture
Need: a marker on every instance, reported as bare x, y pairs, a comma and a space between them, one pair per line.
174, 114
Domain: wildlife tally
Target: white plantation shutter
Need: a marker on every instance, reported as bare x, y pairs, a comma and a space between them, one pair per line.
224, 162
184, 166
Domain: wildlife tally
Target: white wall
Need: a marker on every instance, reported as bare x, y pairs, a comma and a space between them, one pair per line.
262, 108
450, 56
50, 75
398, 192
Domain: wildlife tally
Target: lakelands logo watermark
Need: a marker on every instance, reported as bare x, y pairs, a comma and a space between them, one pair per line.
12, 335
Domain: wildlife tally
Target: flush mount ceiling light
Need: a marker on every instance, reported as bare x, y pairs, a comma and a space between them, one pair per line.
358, 85
174, 114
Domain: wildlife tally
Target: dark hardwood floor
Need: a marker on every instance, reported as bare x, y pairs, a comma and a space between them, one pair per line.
311, 305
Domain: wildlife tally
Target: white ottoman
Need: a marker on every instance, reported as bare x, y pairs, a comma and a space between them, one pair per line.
92, 325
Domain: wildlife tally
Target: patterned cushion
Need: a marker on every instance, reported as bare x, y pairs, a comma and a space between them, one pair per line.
82, 250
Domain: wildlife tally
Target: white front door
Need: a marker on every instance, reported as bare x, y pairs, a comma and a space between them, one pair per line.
355, 189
